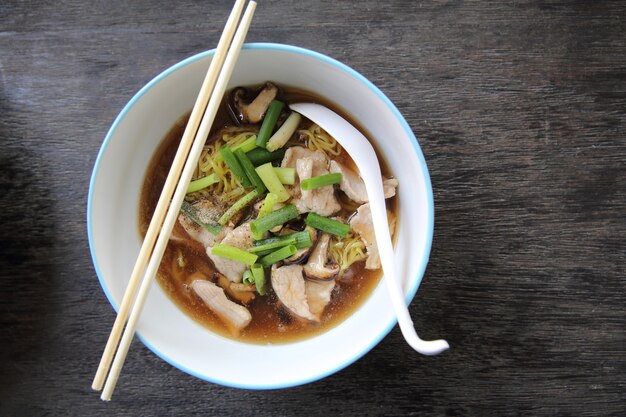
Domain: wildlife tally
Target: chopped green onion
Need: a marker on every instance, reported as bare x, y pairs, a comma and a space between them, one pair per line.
234, 253
248, 168
203, 182
303, 239
269, 121
279, 255
248, 279
286, 175
235, 166
247, 145
273, 245
192, 212
275, 218
327, 225
320, 181
283, 134
268, 205
239, 205
259, 278
259, 156
270, 179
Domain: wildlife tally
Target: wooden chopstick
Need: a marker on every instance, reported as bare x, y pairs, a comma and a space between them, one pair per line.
167, 192
179, 194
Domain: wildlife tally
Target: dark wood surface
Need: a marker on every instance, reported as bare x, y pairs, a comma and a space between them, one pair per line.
520, 109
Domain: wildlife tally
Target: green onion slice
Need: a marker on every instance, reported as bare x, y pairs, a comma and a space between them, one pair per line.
259, 278
202, 183
234, 253
277, 256
327, 225
235, 166
269, 121
269, 178
320, 181
275, 218
239, 205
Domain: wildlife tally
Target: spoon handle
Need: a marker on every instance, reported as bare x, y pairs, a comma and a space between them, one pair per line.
375, 192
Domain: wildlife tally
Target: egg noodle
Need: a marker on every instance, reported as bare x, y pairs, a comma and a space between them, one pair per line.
317, 139
346, 251
210, 163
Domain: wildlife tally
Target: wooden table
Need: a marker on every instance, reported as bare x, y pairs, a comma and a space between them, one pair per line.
520, 109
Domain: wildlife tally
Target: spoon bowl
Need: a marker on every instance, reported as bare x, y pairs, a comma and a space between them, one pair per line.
364, 156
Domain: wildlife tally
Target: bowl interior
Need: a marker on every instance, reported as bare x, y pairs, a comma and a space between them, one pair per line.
113, 215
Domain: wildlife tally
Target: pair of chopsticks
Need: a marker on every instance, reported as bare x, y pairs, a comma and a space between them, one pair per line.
164, 219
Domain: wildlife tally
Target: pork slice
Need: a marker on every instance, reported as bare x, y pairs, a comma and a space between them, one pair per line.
199, 233
207, 211
311, 164
319, 200
373, 258
179, 234
297, 152
239, 237
354, 186
318, 295
351, 183
362, 224
233, 315
389, 187
289, 286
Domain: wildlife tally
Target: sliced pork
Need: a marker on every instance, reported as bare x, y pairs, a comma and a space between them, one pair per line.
362, 224
199, 233
389, 187
234, 316
239, 237
354, 187
289, 286
311, 164
318, 296
297, 152
351, 183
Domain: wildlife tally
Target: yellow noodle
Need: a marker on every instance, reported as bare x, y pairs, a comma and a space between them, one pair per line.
346, 251
317, 139
227, 186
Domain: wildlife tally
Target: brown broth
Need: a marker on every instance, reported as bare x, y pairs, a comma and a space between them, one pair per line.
270, 322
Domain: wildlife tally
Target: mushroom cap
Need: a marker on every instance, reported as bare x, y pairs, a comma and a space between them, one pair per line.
247, 107
316, 267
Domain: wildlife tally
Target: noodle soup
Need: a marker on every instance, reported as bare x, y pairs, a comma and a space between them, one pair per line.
274, 242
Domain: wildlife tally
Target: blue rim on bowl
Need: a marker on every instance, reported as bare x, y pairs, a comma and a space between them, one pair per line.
340, 66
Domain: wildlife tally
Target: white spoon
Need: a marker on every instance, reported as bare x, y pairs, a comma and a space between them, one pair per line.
366, 161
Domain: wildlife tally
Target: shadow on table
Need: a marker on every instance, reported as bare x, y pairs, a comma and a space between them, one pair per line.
27, 240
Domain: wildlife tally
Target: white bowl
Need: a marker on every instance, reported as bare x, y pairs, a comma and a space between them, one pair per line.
112, 216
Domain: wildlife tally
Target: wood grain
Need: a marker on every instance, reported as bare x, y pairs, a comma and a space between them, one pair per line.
520, 109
